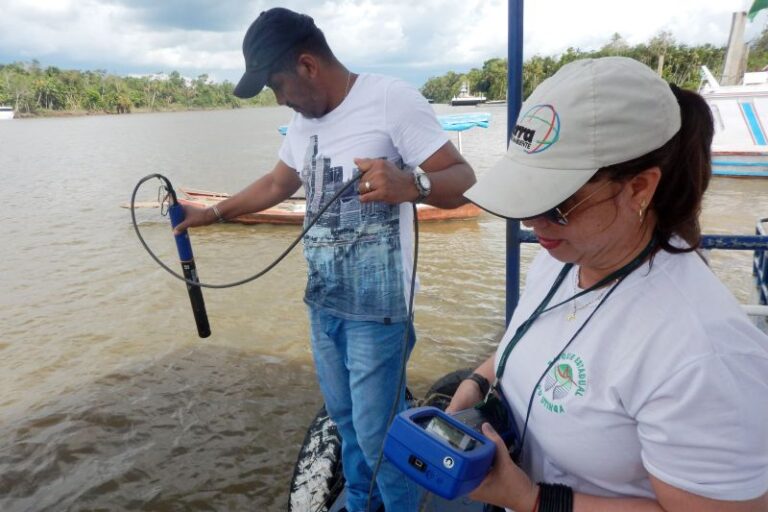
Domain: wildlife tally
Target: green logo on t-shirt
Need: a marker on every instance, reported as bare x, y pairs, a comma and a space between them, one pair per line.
566, 379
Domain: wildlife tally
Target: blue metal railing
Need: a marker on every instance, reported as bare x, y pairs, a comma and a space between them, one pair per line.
514, 101
757, 243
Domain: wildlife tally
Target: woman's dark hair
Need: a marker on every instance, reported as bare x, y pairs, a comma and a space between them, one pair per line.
313, 43
686, 167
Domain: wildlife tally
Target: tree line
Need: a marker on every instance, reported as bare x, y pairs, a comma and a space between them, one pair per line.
679, 64
34, 90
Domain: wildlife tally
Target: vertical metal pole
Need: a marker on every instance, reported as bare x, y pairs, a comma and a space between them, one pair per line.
514, 100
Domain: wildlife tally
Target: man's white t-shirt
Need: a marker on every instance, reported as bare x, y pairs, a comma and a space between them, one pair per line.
668, 378
360, 255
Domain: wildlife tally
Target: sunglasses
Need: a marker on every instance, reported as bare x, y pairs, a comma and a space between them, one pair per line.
556, 215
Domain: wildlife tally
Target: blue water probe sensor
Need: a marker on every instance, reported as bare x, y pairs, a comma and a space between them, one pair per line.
446, 454
184, 248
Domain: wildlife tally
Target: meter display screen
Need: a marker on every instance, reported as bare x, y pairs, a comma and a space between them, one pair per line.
452, 435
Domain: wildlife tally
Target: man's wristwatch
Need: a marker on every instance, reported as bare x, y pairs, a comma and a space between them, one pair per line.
423, 184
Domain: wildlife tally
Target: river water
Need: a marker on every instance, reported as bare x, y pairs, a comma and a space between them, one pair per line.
110, 401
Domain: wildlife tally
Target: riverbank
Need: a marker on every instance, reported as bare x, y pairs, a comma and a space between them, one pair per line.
79, 113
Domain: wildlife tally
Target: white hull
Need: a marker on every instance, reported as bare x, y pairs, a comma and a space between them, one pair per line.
6, 114
465, 98
740, 114
752, 163
471, 100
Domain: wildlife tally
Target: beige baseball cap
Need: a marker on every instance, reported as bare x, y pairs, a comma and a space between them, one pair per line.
590, 114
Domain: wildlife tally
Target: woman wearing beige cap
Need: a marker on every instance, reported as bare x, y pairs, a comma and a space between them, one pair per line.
635, 380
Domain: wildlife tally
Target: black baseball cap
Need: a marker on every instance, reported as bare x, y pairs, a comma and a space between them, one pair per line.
272, 34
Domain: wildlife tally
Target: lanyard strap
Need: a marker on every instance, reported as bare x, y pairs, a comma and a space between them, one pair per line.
542, 307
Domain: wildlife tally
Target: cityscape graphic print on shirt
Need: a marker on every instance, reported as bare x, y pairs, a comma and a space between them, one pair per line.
353, 252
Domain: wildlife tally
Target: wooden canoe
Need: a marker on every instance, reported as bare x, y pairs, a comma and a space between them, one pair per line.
291, 211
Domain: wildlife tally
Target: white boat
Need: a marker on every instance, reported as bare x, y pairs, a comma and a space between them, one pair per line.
6, 112
465, 98
740, 113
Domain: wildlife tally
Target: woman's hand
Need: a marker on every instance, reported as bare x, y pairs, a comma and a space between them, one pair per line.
466, 395
506, 484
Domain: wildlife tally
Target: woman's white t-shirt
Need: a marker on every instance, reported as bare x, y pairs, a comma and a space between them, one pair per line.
669, 378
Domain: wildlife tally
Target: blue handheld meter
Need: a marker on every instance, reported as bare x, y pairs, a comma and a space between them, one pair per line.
446, 454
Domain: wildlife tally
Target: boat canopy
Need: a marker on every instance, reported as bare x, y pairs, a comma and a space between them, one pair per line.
449, 122
461, 122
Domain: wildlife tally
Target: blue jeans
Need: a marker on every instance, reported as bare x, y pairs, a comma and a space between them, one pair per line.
358, 364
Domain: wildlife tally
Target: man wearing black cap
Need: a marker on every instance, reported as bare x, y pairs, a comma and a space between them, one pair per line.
360, 253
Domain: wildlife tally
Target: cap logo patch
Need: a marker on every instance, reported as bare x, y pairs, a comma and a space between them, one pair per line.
537, 129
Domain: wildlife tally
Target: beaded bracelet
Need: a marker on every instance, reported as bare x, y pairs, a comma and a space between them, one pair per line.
219, 216
555, 498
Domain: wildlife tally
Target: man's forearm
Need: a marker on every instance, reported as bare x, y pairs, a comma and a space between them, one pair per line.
259, 195
449, 185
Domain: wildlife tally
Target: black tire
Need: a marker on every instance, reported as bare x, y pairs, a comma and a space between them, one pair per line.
317, 476
441, 392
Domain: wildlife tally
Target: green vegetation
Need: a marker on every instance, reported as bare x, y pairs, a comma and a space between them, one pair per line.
33, 90
680, 65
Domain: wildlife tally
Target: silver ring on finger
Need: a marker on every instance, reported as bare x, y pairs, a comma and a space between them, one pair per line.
368, 186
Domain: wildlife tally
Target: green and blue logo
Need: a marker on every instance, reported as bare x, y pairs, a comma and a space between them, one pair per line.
566, 380
537, 129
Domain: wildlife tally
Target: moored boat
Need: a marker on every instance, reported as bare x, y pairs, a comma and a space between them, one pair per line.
745, 163
291, 211
740, 143
6, 112
464, 97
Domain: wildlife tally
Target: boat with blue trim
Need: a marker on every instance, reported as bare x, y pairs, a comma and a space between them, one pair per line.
740, 144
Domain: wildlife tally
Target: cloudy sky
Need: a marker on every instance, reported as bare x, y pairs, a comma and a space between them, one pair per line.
412, 39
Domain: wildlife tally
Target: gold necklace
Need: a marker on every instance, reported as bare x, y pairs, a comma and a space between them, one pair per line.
575, 307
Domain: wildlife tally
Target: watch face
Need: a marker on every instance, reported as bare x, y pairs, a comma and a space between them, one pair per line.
424, 181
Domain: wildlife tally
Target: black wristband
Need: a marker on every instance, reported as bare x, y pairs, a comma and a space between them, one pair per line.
555, 498
482, 382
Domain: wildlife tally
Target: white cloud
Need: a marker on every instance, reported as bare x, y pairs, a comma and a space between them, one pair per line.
401, 36
589, 25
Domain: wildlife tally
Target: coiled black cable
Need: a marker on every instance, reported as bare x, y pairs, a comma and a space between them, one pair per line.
404, 358
241, 281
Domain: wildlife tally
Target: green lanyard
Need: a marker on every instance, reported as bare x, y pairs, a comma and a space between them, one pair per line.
542, 308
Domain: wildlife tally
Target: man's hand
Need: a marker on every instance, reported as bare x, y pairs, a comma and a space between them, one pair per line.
194, 217
382, 181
